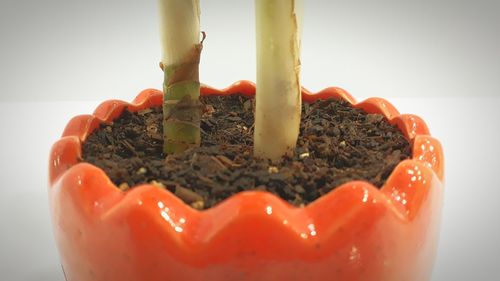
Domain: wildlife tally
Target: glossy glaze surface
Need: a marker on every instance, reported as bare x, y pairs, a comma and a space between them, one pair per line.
356, 232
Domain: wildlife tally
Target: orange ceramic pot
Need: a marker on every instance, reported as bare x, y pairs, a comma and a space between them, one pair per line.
356, 232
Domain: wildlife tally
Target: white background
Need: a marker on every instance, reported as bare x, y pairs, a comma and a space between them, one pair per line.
95, 50
436, 59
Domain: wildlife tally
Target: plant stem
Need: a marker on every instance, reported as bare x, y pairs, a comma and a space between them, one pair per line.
278, 98
180, 34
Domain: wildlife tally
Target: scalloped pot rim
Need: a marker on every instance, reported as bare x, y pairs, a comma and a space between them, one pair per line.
403, 195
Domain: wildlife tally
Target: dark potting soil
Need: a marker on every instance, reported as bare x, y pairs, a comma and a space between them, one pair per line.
337, 144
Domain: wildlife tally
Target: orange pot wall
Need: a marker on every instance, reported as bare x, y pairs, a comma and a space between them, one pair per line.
356, 232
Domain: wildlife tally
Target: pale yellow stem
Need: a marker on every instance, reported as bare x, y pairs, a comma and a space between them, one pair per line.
278, 99
180, 29
180, 34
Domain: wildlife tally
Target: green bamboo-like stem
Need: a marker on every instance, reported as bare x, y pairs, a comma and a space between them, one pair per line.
180, 33
278, 97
